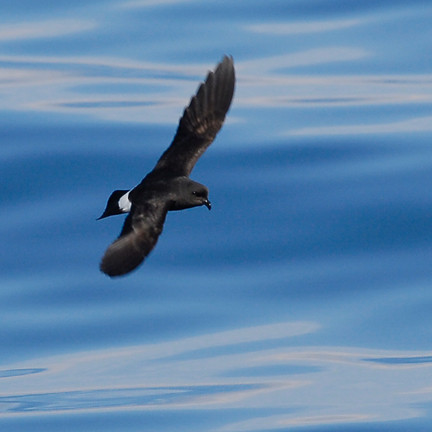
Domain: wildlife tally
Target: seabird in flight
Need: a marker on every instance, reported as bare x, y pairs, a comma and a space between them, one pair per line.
168, 186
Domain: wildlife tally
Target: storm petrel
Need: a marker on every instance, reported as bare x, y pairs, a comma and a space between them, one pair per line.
168, 186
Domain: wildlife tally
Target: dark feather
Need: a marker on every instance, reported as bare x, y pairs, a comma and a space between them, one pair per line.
138, 237
201, 121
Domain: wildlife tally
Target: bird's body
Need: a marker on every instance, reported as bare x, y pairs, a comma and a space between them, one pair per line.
168, 186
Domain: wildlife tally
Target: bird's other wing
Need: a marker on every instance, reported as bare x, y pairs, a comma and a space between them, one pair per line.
201, 120
138, 237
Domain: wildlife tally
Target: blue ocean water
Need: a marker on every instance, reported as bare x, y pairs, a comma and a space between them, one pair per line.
302, 301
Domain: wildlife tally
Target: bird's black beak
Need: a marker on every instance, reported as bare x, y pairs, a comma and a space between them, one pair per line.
207, 203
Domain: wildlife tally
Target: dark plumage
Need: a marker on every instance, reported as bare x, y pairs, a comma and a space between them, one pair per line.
168, 186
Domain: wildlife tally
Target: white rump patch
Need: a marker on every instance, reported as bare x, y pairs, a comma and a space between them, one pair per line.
124, 203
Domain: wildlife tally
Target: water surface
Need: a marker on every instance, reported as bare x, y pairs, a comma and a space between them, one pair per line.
301, 301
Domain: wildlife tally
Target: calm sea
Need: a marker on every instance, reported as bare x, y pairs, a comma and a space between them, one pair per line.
302, 301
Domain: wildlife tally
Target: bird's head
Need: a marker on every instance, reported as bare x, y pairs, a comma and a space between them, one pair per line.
200, 196
118, 203
189, 194
196, 194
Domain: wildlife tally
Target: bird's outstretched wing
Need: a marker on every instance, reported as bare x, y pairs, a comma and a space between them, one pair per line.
201, 120
138, 237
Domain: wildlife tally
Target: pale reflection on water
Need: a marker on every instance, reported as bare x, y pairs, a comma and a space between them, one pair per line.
257, 367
